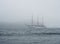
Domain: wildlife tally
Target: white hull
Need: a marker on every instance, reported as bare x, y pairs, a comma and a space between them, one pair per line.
33, 29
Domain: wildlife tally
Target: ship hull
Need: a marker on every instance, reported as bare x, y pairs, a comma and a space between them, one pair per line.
37, 29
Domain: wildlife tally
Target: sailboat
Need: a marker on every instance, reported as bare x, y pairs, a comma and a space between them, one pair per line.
38, 25
37, 28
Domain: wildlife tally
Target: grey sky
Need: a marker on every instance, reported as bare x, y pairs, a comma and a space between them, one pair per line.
21, 10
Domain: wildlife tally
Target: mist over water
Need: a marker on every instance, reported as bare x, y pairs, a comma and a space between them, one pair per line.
15, 15
20, 11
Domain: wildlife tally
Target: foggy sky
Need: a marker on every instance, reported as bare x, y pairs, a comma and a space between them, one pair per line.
22, 10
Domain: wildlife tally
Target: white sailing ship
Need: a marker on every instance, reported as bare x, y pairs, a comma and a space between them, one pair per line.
37, 28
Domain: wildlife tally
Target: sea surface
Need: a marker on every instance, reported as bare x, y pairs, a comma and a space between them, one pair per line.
21, 36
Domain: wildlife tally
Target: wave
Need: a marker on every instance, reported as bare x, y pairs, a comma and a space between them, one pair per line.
10, 34
25, 34
15, 34
46, 33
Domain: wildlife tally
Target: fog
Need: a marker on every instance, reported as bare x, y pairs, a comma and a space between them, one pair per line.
20, 11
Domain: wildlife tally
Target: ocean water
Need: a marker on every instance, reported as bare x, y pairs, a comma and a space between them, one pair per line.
21, 36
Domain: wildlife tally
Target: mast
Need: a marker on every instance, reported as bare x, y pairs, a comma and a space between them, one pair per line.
42, 21
32, 20
32, 17
37, 20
